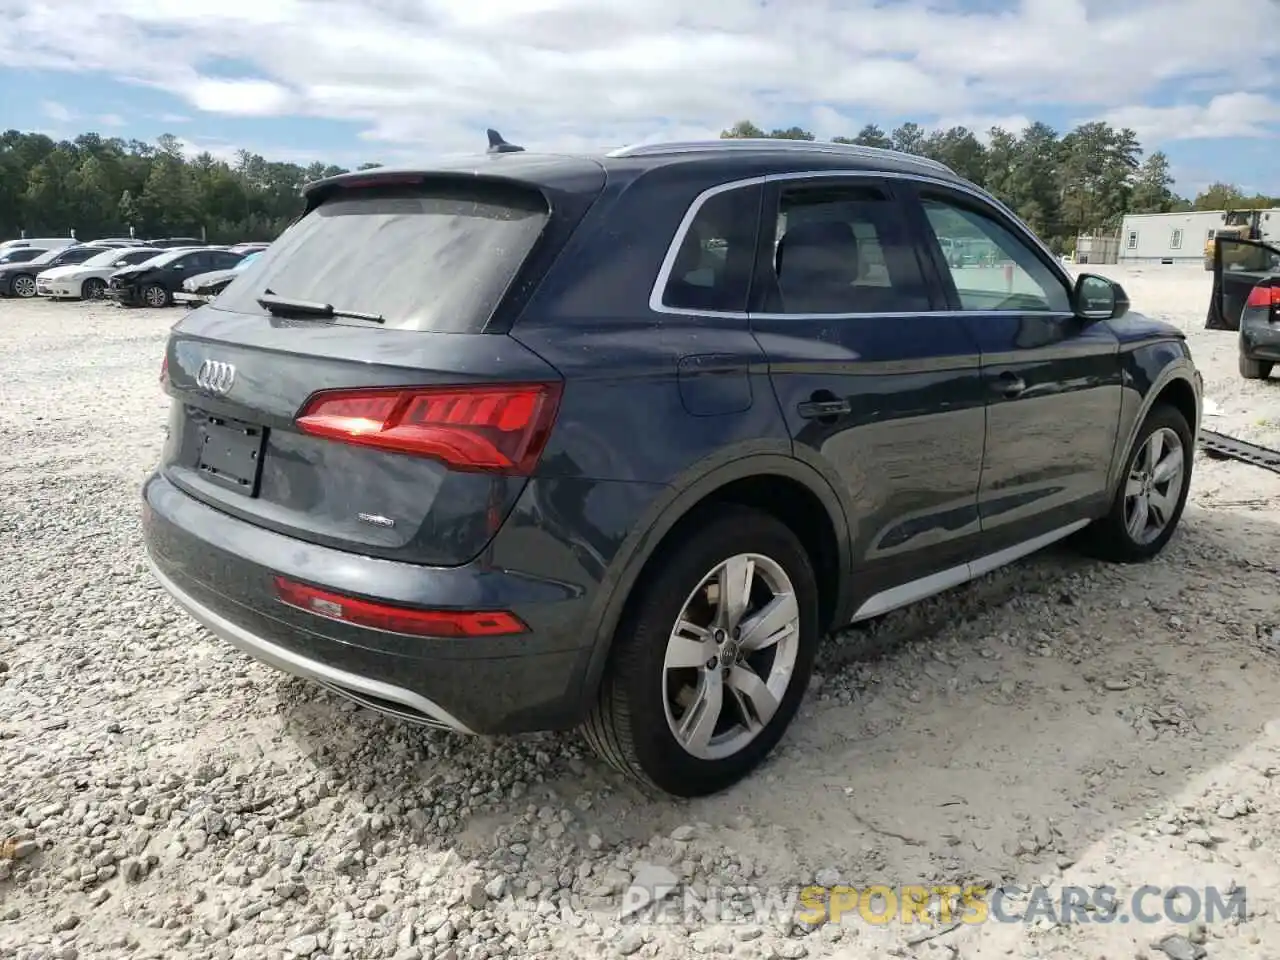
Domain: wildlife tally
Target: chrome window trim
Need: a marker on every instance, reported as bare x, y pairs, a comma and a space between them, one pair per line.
673, 250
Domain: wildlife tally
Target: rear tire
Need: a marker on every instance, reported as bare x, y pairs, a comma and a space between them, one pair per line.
92, 289
670, 715
1152, 492
1254, 369
154, 295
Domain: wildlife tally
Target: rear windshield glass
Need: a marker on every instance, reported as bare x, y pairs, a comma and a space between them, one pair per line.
434, 258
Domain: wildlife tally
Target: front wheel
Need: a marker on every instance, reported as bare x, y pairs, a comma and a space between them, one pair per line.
1254, 369
24, 286
154, 295
92, 289
1152, 492
713, 657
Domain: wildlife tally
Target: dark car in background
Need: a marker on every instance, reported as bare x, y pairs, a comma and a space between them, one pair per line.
203, 287
1246, 298
19, 279
153, 283
524, 442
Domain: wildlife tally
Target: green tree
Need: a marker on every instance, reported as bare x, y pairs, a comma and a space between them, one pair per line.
868, 136
742, 130
1152, 192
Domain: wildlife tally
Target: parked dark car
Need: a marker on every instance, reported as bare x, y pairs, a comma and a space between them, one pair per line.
153, 284
18, 279
1248, 301
165, 243
535, 442
203, 287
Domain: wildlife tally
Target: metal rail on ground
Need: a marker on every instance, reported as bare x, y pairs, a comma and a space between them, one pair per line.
1221, 447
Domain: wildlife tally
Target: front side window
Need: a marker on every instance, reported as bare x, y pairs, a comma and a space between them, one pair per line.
1004, 273
712, 267
75, 256
843, 250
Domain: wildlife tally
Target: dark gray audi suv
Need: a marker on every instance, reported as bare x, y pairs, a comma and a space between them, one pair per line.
525, 442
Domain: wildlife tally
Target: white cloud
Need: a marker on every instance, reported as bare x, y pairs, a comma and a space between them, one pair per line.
112, 120
246, 98
561, 73
1226, 115
57, 112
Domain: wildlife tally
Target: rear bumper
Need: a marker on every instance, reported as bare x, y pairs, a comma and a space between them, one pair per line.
356, 686
220, 569
1260, 340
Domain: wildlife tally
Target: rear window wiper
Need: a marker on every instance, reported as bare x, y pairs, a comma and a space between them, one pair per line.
287, 307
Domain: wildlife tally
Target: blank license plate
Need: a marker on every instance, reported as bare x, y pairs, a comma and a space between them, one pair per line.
231, 454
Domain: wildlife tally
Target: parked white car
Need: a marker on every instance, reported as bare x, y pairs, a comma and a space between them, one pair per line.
86, 281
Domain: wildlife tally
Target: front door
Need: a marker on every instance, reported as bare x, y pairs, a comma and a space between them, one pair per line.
1052, 381
876, 388
187, 267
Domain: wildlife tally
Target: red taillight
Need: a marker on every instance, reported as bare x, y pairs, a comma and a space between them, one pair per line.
397, 619
498, 429
164, 368
1264, 297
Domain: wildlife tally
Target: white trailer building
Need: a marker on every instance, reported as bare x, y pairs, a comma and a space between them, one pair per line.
1178, 237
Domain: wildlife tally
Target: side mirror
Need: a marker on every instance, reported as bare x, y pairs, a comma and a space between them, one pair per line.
1097, 298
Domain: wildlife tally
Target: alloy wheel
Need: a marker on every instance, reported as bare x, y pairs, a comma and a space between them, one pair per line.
24, 287
731, 656
1154, 486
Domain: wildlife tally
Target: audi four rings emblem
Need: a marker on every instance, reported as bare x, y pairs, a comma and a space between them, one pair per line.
216, 377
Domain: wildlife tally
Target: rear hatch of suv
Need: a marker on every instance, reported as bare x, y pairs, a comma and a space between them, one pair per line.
354, 388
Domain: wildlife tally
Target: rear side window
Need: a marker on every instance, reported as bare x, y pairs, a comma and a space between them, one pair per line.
843, 250
435, 258
711, 271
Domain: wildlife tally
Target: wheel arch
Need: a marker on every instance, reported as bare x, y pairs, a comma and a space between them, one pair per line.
1176, 385
783, 486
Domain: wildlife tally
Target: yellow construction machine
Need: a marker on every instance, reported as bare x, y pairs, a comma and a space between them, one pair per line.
1236, 225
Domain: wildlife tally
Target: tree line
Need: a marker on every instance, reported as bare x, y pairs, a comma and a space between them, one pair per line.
1061, 185
99, 186
103, 186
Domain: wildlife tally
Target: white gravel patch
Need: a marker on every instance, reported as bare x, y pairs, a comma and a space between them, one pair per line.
1061, 721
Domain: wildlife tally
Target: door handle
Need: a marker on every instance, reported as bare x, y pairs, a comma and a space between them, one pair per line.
820, 409
1009, 384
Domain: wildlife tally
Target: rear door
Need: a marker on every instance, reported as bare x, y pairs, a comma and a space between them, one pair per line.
1238, 266
408, 438
1051, 381
875, 385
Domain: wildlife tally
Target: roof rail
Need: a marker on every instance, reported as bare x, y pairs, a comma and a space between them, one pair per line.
776, 143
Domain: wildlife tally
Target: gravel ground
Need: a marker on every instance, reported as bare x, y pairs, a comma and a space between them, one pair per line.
1060, 722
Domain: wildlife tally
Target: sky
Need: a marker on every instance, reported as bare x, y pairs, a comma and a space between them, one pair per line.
350, 81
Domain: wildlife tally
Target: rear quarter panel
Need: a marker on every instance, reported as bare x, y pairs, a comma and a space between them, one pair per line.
682, 404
